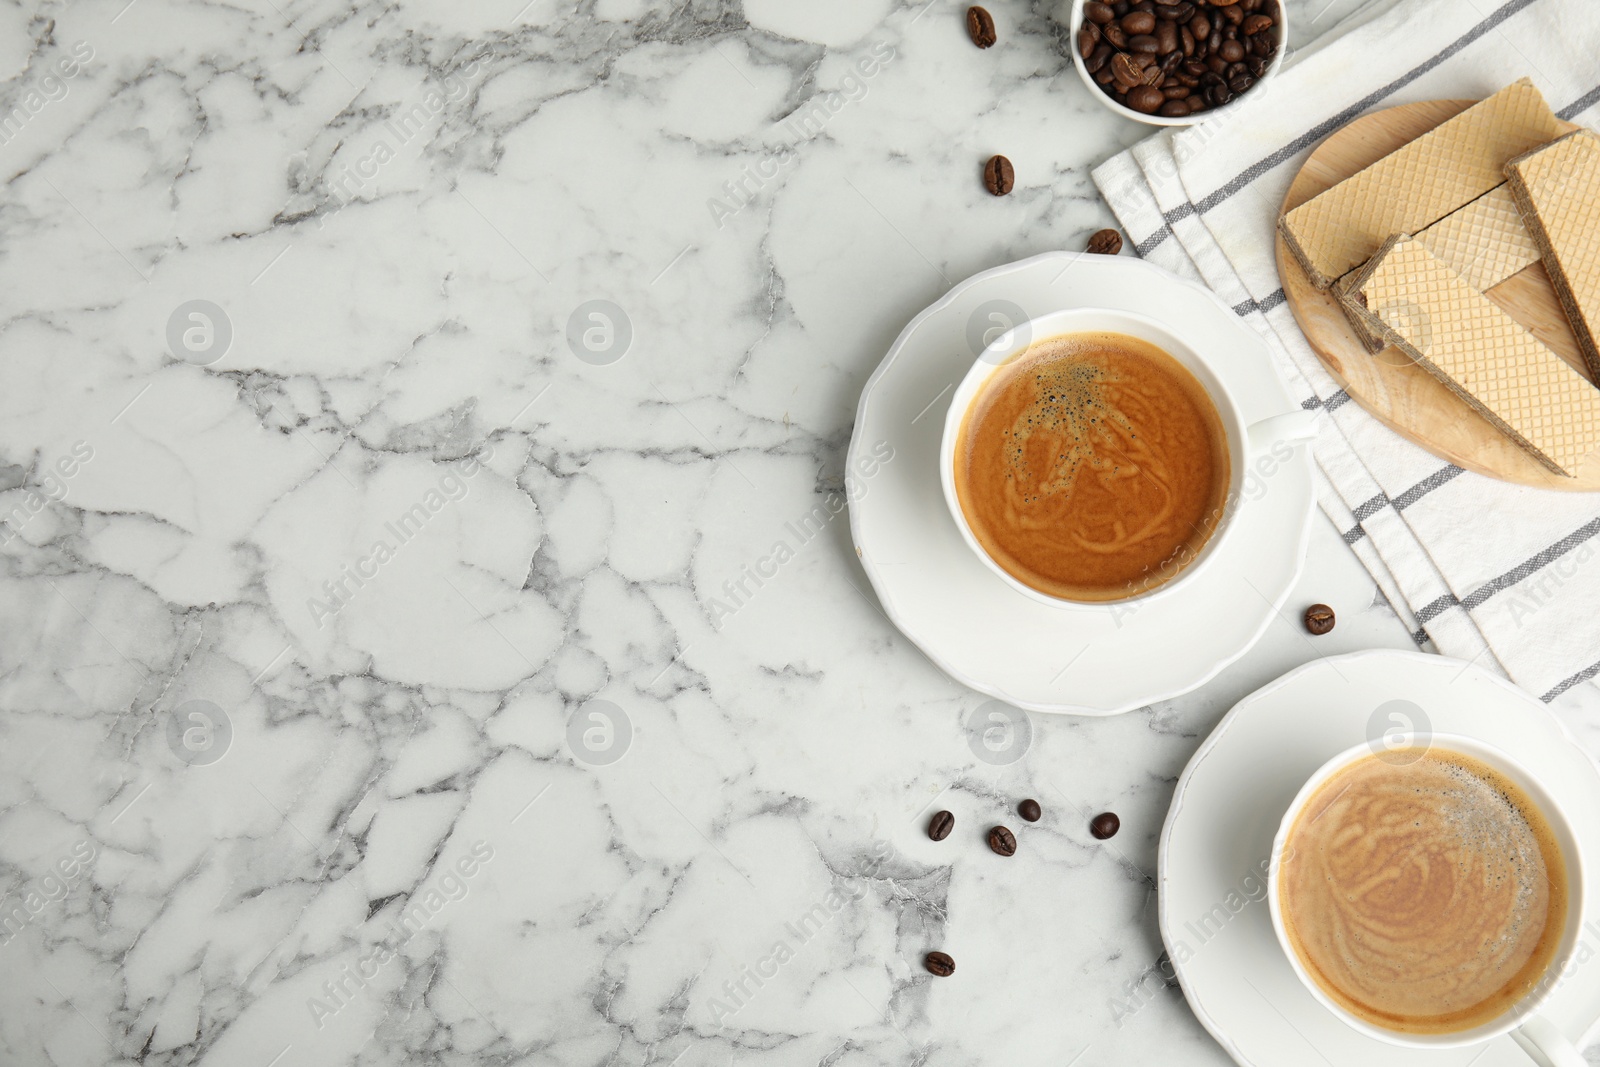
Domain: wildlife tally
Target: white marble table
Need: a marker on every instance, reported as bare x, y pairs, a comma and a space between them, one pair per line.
273, 794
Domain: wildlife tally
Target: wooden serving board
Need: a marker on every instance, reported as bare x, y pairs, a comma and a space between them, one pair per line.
1402, 395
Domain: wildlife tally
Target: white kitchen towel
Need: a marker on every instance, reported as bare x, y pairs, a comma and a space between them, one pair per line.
1477, 568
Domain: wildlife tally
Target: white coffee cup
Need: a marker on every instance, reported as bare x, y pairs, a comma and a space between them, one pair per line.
1246, 443
1538, 1036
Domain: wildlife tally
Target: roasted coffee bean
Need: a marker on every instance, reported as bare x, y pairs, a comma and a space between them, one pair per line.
1146, 98
1250, 5
1098, 57
1105, 825
1233, 71
980, 27
1186, 41
1197, 103
1200, 26
1143, 59
1167, 37
1255, 24
1137, 22
1257, 65
1175, 92
1029, 809
1096, 12
1233, 15
1120, 7
1223, 3
1240, 83
1194, 67
1113, 33
1169, 62
1088, 37
1002, 841
1214, 42
1124, 69
1166, 13
940, 825
1231, 51
998, 177
1174, 109
939, 963
1153, 76
1103, 76
1143, 44
1105, 243
1221, 94
1319, 618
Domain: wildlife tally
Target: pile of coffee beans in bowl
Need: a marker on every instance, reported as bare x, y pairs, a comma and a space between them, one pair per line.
1180, 58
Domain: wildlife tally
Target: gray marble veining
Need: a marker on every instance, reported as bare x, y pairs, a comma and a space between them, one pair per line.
389, 391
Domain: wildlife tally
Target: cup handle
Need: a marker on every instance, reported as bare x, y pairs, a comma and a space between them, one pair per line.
1546, 1045
1291, 428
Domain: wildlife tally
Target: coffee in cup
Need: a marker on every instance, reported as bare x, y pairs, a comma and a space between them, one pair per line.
1423, 891
1092, 467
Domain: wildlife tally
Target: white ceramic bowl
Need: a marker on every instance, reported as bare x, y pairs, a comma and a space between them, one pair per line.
1182, 120
1522, 1017
1245, 443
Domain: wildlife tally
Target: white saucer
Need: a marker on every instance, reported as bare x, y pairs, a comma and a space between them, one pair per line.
1234, 792
989, 636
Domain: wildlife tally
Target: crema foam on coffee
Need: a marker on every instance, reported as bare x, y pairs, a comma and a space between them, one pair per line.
1423, 891
1093, 466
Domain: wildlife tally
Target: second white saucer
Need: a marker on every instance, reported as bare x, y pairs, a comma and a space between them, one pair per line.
1218, 838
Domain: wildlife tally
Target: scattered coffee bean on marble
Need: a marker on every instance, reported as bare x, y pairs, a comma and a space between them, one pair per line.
1106, 243
998, 176
1105, 825
980, 27
940, 825
1319, 618
1003, 841
939, 963
1029, 809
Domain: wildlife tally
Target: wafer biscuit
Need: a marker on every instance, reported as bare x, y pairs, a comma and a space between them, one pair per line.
1417, 184
1463, 338
1557, 189
1485, 242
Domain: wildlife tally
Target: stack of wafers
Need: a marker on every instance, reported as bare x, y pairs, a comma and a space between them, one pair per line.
1410, 245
